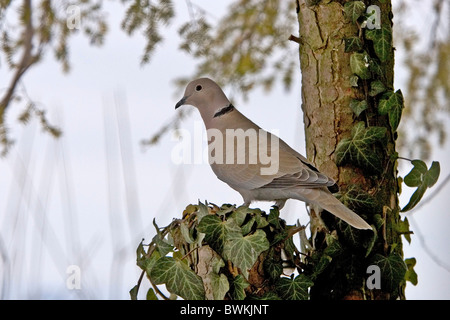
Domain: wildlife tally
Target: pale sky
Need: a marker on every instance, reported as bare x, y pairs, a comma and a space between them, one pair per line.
63, 202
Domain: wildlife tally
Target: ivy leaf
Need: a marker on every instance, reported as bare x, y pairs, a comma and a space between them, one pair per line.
244, 251
178, 278
240, 214
133, 292
376, 87
411, 274
354, 9
415, 177
321, 265
334, 248
220, 285
393, 270
359, 64
392, 104
403, 228
432, 175
353, 44
294, 289
358, 149
273, 266
162, 245
358, 199
202, 211
415, 198
274, 218
237, 287
217, 232
422, 178
358, 106
151, 295
382, 42
247, 227
184, 229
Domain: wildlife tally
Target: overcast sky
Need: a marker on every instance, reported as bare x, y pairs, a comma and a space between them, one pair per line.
64, 202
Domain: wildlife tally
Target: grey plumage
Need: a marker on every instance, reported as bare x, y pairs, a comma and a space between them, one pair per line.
265, 168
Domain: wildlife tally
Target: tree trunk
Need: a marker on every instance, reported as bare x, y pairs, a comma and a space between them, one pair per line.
327, 92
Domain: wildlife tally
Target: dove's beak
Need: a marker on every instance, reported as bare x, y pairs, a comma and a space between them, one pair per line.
181, 102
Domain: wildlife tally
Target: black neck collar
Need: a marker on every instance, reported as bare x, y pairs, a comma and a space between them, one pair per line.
224, 110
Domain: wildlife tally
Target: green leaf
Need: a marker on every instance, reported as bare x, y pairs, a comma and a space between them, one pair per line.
134, 292
294, 289
358, 106
237, 287
321, 265
151, 295
376, 87
392, 268
359, 64
225, 209
274, 218
273, 266
220, 285
415, 198
411, 274
369, 243
353, 44
422, 178
185, 232
178, 278
247, 227
403, 228
217, 231
354, 9
415, 177
334, 248
202, 211
358, 149
244, 251
356, 198
392, 104
432, 174
240, 214
382, 42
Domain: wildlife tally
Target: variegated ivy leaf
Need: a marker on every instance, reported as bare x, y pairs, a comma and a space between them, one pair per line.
354, 9
359, 64
382, 42
178, 278
294, 289
358, 149
391, 103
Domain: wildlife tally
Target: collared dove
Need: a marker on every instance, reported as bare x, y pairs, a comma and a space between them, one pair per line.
265, 168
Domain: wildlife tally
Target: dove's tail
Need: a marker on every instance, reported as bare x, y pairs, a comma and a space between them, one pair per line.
324, 199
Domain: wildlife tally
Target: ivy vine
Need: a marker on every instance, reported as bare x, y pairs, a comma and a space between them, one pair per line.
360, 148
232, 241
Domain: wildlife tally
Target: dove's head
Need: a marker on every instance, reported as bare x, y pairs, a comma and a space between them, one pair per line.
205, 95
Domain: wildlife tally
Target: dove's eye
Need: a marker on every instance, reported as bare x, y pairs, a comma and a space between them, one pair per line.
198, 88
